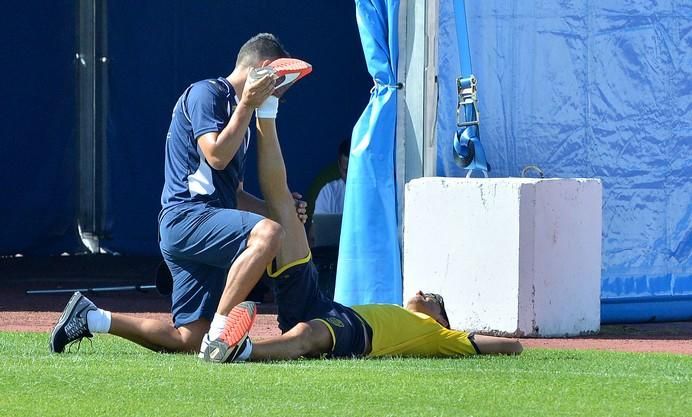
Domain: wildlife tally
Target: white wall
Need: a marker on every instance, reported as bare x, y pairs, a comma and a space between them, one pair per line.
510, 255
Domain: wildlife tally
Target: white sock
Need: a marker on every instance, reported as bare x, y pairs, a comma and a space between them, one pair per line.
99, 321
245, 354
203, 346
217, 325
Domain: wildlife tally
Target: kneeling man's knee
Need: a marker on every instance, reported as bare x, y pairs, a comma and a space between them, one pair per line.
267, 235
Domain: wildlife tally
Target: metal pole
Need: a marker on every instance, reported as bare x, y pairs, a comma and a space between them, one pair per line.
93, 290
163, 284
92, 113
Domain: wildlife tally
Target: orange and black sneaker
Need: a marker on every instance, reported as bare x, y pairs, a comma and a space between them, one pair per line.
234, 338
288, 71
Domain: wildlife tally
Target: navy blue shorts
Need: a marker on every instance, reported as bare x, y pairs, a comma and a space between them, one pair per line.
199, 242
299, 299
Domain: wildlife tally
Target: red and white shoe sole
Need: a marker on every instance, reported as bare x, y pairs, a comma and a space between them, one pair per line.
240, 321
289, 70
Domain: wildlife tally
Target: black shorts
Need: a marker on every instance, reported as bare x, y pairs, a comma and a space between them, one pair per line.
299, 299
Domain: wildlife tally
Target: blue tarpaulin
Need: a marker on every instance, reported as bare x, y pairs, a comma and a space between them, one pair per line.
591, 89
39, 178
369, 267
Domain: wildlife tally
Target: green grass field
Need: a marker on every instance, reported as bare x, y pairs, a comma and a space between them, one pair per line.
116, 378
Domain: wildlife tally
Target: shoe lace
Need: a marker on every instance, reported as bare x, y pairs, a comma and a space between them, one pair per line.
77, 328
79, 344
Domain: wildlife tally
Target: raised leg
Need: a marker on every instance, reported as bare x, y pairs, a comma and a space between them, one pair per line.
274, 186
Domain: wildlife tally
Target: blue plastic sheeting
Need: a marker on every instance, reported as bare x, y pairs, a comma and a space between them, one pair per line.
590, 89
159, 47
369, 267
646, 309
39, 147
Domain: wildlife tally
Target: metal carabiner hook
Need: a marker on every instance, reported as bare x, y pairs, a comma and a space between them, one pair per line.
532, 168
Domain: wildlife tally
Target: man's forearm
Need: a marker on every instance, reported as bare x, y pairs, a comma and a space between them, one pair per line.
248, 202
231, 137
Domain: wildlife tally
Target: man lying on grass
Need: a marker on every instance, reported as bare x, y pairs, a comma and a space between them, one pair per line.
312, 324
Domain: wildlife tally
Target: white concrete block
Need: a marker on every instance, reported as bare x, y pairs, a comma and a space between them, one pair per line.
513, 256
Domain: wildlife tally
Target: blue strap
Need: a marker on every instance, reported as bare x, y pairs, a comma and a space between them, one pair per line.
468, 151
463, 38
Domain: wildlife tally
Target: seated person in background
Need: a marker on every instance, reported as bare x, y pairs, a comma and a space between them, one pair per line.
330, 200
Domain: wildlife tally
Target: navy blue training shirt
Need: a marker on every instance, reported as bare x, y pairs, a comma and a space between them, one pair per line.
206, 106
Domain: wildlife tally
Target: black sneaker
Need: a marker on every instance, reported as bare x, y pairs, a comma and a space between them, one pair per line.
72, 325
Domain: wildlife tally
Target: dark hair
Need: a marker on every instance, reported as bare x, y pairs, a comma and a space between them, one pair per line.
345, 147
439, 300
259, 47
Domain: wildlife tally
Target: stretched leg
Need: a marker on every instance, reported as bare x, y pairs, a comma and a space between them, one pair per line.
281, 209
284, 226
493, 345
274, 186
159, 336
305, 339
81, 318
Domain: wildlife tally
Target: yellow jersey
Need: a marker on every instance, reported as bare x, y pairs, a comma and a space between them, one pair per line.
399, 332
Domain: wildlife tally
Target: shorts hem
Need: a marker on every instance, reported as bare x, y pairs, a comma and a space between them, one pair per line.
331, 331
278, 272
189, 318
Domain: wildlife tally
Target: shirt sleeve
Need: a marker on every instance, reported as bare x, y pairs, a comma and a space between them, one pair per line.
208, 111
454, 343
